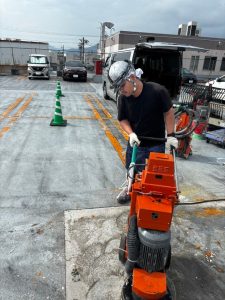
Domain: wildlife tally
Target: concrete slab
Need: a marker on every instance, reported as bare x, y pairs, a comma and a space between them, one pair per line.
198, 259
93, 270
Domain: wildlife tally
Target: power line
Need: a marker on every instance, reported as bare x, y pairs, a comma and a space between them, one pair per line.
52, 33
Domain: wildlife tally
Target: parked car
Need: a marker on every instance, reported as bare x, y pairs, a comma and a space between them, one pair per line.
217, 83
188, 77
38, 66
74, 70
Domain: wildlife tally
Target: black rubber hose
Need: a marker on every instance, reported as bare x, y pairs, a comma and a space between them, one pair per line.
190, 113
133, 245
181, 136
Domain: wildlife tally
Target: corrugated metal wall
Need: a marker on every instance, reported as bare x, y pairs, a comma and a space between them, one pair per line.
17, 53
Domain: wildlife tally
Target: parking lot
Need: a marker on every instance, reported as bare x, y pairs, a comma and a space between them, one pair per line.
46, 171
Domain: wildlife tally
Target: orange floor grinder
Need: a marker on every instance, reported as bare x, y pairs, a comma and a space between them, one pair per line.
145, 249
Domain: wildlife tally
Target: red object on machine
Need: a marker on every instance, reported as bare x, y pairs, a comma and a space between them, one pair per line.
98, 67
200, 128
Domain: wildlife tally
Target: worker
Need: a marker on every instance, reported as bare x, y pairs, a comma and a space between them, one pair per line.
144, 110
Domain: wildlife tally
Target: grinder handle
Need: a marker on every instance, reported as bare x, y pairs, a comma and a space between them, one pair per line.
173, 152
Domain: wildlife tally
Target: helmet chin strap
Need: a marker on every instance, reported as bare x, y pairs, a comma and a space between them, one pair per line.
134, 85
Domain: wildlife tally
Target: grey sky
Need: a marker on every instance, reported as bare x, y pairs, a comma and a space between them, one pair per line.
65, 22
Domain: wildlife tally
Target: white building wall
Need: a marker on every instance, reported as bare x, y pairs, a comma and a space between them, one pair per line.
200, 72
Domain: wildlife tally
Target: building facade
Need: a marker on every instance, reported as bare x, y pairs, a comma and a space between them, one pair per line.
209, 64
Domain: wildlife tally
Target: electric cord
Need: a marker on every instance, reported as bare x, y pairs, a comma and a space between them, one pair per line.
188, 203
200, 202
135, 169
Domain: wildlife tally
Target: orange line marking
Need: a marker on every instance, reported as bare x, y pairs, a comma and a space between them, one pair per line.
108, 133
15, 117
10, 108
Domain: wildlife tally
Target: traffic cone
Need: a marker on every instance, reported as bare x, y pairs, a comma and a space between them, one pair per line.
58, 118
58, 89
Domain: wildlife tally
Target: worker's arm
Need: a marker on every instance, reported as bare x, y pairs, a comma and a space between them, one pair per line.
169, 121
125, 124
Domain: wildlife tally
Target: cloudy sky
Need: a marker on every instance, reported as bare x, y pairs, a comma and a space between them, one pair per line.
64, 22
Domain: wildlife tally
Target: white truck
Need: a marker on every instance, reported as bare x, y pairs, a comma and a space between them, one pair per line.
38, 66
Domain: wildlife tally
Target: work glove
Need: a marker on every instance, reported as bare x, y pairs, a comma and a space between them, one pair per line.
133, 139
172, 142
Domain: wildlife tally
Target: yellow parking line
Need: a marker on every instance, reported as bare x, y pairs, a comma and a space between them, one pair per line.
10, 108
124, 134
108, 133
15, 117
101, 106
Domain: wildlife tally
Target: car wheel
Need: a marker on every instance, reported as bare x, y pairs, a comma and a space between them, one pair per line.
64, 78
105, 95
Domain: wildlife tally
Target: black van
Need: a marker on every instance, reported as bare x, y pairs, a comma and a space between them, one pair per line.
160, 62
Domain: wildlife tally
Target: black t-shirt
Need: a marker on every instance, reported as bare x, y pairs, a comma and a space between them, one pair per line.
145, 113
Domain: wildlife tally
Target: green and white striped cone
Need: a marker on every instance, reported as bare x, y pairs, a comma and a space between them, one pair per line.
58, 118
58, 91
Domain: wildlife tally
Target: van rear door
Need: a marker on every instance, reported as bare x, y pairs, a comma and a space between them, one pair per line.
162, 63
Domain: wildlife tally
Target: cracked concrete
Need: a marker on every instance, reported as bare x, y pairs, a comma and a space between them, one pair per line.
92, 241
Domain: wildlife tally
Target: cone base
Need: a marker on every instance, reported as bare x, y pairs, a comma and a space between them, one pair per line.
59, 124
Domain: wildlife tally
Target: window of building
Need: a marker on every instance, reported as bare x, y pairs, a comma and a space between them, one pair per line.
222, 67
210, 63
194, 63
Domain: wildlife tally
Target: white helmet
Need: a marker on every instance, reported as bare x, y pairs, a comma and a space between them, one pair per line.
119, 72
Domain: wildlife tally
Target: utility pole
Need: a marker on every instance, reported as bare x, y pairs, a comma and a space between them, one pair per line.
102, 37
81, 45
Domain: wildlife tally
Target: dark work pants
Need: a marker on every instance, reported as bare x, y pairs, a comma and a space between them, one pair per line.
142, 154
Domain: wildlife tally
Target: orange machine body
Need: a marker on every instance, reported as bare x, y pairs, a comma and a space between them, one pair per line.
149, 285
154, 193
153, 197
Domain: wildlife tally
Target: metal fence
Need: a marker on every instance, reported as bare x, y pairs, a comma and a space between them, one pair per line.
215, 98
